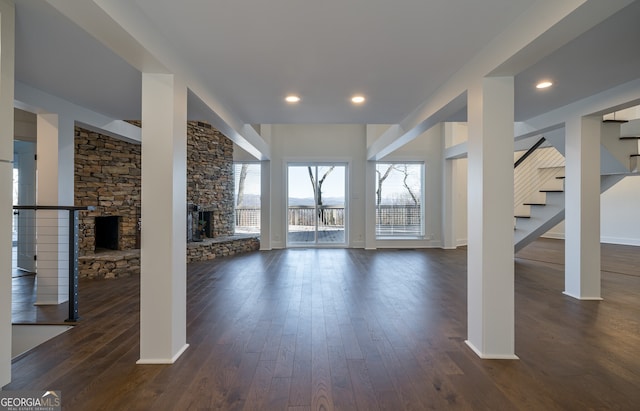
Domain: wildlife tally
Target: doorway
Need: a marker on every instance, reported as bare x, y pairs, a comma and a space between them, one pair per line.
316, 206
24, 221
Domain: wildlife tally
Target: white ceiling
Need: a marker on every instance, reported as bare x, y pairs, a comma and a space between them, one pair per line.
251, 53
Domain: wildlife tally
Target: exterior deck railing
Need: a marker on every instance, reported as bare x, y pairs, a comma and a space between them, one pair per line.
329, 216
387, 215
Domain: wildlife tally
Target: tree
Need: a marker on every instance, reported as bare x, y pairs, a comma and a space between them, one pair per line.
317, 189
405, 171
381, 178
241, 180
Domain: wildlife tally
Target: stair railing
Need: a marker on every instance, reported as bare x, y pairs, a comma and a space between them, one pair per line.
529, 152
72, 238
540, 171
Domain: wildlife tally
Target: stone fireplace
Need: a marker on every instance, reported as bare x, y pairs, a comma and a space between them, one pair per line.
210, 185
108, 177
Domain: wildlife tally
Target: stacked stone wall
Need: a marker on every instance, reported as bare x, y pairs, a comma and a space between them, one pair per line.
221, 247
107, 177
110, 265
210, 182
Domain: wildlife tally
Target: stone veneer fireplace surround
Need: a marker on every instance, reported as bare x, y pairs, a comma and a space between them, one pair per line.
108, 177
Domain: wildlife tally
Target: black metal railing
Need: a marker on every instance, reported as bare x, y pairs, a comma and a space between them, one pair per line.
73, 251
529, 152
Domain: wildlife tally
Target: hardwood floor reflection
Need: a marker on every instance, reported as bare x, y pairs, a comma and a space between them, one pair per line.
349, 329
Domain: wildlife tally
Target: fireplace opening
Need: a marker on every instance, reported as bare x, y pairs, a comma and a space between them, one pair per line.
205, 224
199, 223
106, 232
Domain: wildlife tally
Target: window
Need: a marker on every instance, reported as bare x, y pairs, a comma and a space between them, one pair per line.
247, 197
399, 199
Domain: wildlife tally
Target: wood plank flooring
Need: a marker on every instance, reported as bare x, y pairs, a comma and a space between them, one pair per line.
346, 329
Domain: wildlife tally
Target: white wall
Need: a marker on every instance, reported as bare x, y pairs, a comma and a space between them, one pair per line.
458, 133
321, 142
619, 214
619, 207
460, 213
347, 143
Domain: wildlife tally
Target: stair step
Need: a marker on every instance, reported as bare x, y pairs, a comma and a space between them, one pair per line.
534, 204
629, 137
634, 155
560, 177
551, 191
523, 216
612, 120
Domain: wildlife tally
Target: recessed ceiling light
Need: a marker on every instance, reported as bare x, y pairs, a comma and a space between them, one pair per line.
292, 99
544, 84
357, 99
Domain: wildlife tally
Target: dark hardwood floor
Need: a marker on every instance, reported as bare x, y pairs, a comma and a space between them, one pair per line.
305, 329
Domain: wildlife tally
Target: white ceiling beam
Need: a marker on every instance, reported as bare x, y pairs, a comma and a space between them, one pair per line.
551, 124
397, 136
36, 101
125, 29
543, 28
95, 21
617, 98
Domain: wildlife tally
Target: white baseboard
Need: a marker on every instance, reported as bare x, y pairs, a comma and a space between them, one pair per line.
555, 236
582, 298
603, 239
164, 360
621, 241
490, 356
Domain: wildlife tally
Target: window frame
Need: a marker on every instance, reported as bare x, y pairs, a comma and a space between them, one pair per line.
421, 213
237, 164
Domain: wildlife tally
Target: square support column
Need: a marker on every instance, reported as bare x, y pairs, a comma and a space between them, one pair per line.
7, 58
55, 179
448, 192
370, 239
163, 300
582, 205
265, 205
490, 272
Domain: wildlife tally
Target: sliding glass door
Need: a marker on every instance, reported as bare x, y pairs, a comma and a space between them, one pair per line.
316, 204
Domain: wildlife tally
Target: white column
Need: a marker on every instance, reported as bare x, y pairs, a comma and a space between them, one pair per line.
448, 192
7, 44
54, 187
265, 205
370, 242
164, 214
582, 205
490, 272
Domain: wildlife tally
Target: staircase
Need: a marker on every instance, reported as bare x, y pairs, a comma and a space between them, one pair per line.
545, 207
